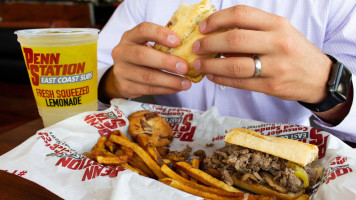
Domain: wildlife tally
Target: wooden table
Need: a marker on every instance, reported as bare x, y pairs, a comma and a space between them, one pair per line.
14, 187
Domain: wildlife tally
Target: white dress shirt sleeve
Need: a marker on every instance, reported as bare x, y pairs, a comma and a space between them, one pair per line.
126, 16
340, 42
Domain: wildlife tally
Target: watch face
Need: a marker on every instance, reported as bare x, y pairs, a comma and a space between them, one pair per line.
343, 85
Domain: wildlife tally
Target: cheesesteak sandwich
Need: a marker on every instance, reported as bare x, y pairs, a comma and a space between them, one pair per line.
266, 165
185, 23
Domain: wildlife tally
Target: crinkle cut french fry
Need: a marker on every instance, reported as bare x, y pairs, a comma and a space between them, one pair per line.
181, 186
204, 178
172, 174
140, 152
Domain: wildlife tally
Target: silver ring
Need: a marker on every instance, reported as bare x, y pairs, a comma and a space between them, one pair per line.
258, 66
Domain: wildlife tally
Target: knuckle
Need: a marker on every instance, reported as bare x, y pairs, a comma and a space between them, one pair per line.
282, 22
239, 83
140, 55
274, 87
286, 44
126, 33
147, 77
240, 11
235, 38
142, 28
150, 90
165, 61
116, 51
282, 70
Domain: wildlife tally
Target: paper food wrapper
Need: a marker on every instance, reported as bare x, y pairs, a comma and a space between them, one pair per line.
53, 156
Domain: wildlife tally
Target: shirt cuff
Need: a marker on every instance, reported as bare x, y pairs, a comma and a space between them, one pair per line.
346, 130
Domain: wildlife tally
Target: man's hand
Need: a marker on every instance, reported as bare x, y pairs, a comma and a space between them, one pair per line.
138, 68
292, 67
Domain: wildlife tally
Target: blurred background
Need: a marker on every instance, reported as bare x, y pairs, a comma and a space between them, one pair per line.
17, 103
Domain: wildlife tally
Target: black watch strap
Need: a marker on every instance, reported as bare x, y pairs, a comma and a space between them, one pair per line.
339, 84
329, 103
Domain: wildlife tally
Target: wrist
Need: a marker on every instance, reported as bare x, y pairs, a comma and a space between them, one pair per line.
107, 88
338, 87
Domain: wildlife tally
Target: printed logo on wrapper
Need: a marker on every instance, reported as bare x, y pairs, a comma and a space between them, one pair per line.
180, 120
107, 122
70, 159
336, 169
52, 70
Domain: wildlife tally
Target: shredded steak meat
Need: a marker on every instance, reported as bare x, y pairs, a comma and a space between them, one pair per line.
235, 160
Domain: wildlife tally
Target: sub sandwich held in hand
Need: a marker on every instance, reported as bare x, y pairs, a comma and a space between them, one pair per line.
185, 23
266, 165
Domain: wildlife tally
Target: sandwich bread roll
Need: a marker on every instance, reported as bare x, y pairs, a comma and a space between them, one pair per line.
185, 23
292, 150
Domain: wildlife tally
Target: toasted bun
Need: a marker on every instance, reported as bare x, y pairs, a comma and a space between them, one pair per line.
185, 23
260, 189
292, 150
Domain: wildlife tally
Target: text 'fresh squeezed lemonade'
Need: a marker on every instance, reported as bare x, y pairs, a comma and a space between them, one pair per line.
62, 66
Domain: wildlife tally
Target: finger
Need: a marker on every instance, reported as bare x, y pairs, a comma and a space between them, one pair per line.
153, 77
138, 89
146, 32
234, 41
238, 67
146, 56
252, 84
240, 16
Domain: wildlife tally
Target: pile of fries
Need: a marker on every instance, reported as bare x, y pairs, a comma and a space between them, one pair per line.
147, 160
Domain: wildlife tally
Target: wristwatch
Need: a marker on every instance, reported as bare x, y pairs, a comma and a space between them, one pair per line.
339, 84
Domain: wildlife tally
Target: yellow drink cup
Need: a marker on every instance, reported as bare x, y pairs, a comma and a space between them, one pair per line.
62, 67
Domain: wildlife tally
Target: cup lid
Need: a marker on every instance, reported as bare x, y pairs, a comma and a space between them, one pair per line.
56, 31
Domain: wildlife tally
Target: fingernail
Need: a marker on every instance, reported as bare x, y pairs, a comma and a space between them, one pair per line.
202, 26
172, 39
210, 76
180, 67
196, 46
197, 65
185, 84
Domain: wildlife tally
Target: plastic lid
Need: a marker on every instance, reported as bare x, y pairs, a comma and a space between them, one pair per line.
56, 31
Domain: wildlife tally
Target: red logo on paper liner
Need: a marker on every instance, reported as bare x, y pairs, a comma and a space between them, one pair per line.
336, 169
70, 159
92, 168
106, 122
